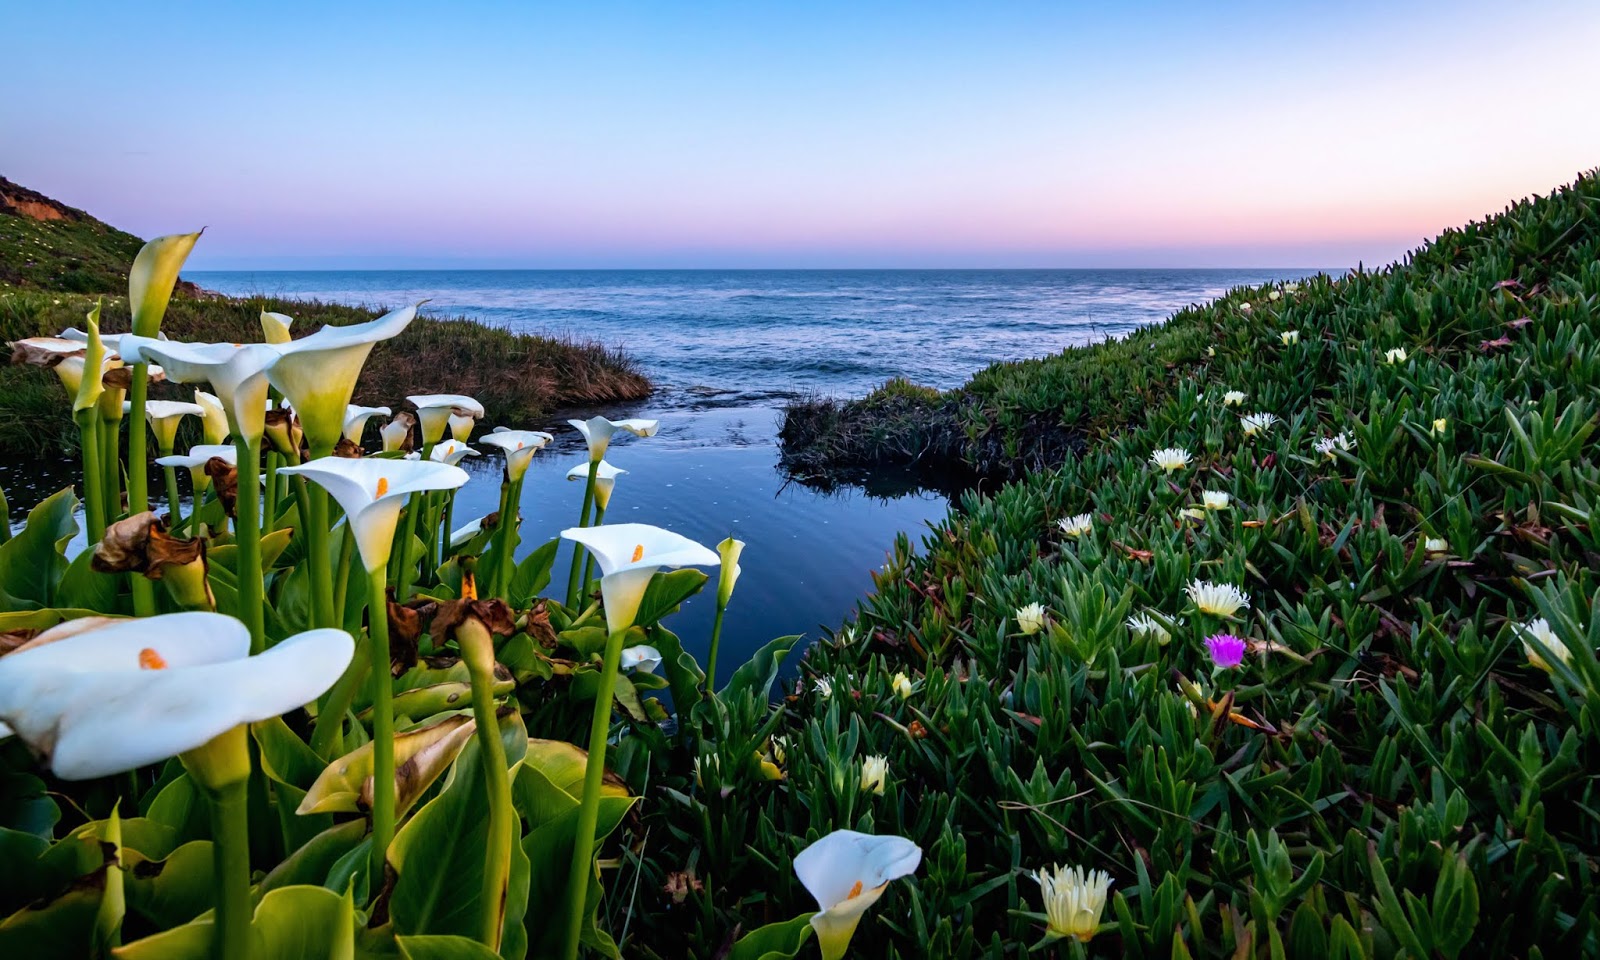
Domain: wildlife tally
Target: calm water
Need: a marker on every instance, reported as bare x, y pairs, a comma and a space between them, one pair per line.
726, 348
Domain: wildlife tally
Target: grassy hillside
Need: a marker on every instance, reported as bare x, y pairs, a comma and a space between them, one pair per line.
54, 261
1404, 763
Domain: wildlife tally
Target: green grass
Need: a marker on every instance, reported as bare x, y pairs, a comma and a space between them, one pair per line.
1387, 775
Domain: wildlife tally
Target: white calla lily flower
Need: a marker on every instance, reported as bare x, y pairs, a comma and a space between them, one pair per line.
317, 374
519, 447
355, 420
237, 372
151, 278
436, 409
213, 419
460, 535
643, 658
598, 431
452, 452
846, 872
396, 432
461, 427
196, 459
275, 327
135, 692
372, 493
629, 554
729, 550
605, 480
164, 417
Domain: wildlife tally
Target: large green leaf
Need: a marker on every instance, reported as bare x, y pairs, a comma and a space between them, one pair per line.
666, 592
84, 587
533, 575
760, 672
62, 927
684, 675
443, 948
32, 562
293, 767
170, 892
26, 805
41, 619
291, 923
313, 862
775, 941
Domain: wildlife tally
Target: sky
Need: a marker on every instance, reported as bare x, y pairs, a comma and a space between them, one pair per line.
723, 135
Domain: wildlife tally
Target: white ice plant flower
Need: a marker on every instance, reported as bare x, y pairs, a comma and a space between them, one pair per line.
1233, 398
1440, 426
874, 774
1215, 500
1076, 526
436, 409
131, 693
823, 686
1170, 459
1073, 900
519, 447
1289, 337
1538, 630
642, 658
1435, 547
1216, 599
371, 493
1340, 442
598, 431
355, 420
1396, 355
605, 480
901, 684
1144, 625
846, 872
1255, 424
629, 554
1030, 619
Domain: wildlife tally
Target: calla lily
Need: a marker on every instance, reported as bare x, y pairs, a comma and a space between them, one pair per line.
643, 658
138, 691
318, 373
598, 431
213, 418
355, 420
847, 872
629, 555
164, 417
605, 480
63, 356
461, 427
152, 277
275, 327
372, 493
237, 372
396, 433
452, 452
196, 459
436, 409
519, 447
729, 550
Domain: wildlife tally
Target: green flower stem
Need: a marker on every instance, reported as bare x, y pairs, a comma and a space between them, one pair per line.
327, 735
407, 574
5, 517
111, 467
573, 586
341, 581
271, 488
382, 725
138, 393
230, 851
449, 524
491, 588
94, 504
588, 562
322, 611
716, 639
247, 533
435, 512
589, 811
508, 556
502, 819
174, 506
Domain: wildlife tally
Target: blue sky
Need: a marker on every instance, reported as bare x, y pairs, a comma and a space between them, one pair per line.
819, 134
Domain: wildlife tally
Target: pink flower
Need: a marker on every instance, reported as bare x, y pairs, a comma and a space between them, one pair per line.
1227, 650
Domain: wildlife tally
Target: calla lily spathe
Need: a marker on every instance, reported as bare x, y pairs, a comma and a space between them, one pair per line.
846, 872
519, 447
461, 427
372, 493
164, 417
196, 459
643, 658
275, 327
436, 409
237, 372
152, 277
138, 691
355, 420
317, 374
629, 554
605, 480
729, 550
598, 431
213, 419
452, 452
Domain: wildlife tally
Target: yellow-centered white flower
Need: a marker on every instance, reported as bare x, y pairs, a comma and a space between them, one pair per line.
598, 431
1216, 599
1289, 337
1076, 526
1440, 426
317, 374
519, 447
1233, 398
275, 327
1215, 500
728, 575
237, 372
1327, 445
165, 416
901, 684
213, 417
629, 554
1255, 424
846, 872
452, 452
1396, 355
435, 410
1073, 900
1144, 625
1539, 630
355, 420
1435, 547
134, 692
642, 658
196, 459
372, 491
874, 774
1030, 619
605, 480
1170, 459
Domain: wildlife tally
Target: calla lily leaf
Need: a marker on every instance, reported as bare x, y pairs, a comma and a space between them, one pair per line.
666, 593
32, 561
420, 756
533, 574
775, 941
315, 858
683, 674
154, 273
272, 547
277, 932
173, 890
760, 672
435, 947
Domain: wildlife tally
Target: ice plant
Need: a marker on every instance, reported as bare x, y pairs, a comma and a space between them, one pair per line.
1328, 445
371, 492
355, 421
1396, 355
1440, 426
436, 409
823, 686
1257, 423
901, 685
1144, 625
729, 551
1073, 900
1289, 337
846, 872
519, 447
629, 555
1076, 526
1030, 619
1227, 650
1434, 547
1216, 599
1233, 398
125, 694
1215, 500
1540, 630
1170, 459
874, 774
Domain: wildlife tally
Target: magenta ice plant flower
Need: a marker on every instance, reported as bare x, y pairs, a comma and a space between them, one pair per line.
1227, 650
